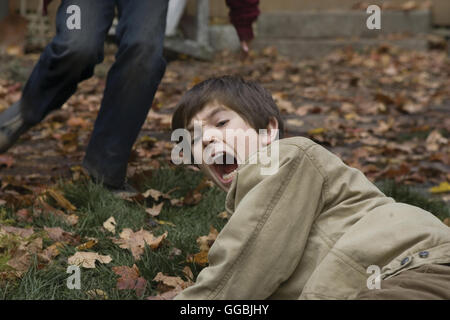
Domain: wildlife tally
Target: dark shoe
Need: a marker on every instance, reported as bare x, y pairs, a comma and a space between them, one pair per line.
12, 126
123, 192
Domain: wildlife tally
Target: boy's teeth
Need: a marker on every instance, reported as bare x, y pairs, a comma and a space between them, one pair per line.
229, 175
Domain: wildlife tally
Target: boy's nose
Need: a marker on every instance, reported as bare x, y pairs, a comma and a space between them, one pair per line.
211, 135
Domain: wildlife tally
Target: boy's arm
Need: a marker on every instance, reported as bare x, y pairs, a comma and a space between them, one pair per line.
263, 241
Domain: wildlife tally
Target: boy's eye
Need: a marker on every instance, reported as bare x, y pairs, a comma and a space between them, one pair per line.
221, 123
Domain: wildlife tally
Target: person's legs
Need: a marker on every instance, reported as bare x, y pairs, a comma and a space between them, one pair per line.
69, 58
428, 282
131, 85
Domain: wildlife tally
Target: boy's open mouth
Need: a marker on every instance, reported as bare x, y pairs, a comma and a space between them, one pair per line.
224, 167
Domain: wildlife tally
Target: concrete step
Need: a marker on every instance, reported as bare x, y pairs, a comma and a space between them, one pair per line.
313, 48
334, 24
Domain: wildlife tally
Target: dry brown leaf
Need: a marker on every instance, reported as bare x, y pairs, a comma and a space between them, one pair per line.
189, 275
168, 283
136, 241
200, 258
224, 215
155, 194
6, 160
61, 200
88, 259
434, 141
24, 215
193, 197
87, 245
97, 294
50, 252
59, 235
130, 279
77, 122
22, 257
205, 242
110, 225
21, 261
177, 202
295, 122
155, 210
21, 232
71, 219
284, 105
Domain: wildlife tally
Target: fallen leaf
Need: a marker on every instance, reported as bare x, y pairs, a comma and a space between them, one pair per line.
168, 283
97, 294
6, 160
434, 141
87, 245
200, 258
155, 210
205, 242
441, 188
59, 235
188, 273
130, 279
193, 197
24, 215
155, 194
165, 222
316, 131
21, 232
136, 241
61, 200
177, 202
224, 215
295, 122
110, 225
77, 122
22, 256
88, 259
50, 252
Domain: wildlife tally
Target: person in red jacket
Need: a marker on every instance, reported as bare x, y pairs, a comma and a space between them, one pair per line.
242, 14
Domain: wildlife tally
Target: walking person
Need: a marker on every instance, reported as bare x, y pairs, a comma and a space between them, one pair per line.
130, 87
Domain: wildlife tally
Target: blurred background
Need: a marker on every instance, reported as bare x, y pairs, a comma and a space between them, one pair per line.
297, 28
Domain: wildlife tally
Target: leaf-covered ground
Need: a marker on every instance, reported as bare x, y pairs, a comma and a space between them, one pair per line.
384, 111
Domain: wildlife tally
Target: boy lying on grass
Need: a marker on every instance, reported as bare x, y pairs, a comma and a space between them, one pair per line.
314, 228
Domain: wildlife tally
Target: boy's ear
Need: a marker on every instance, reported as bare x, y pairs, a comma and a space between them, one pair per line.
272, 132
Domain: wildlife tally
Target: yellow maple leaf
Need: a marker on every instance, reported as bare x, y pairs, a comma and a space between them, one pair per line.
441, 188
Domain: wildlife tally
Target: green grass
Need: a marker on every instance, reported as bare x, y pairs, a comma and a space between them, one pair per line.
95, 205
403, 193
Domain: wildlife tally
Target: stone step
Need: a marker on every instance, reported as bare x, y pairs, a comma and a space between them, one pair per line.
314, 48
334, 24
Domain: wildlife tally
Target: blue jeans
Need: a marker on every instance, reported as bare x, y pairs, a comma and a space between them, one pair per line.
131, 82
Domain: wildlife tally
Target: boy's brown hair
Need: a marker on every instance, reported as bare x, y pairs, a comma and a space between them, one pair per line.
247, 98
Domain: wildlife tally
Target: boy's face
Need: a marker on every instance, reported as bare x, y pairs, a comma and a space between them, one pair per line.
225, 142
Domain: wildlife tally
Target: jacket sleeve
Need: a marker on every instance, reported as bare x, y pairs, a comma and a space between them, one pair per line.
264, 239
242, 14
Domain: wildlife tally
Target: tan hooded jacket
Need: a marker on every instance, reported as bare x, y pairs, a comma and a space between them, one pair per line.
311, 231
